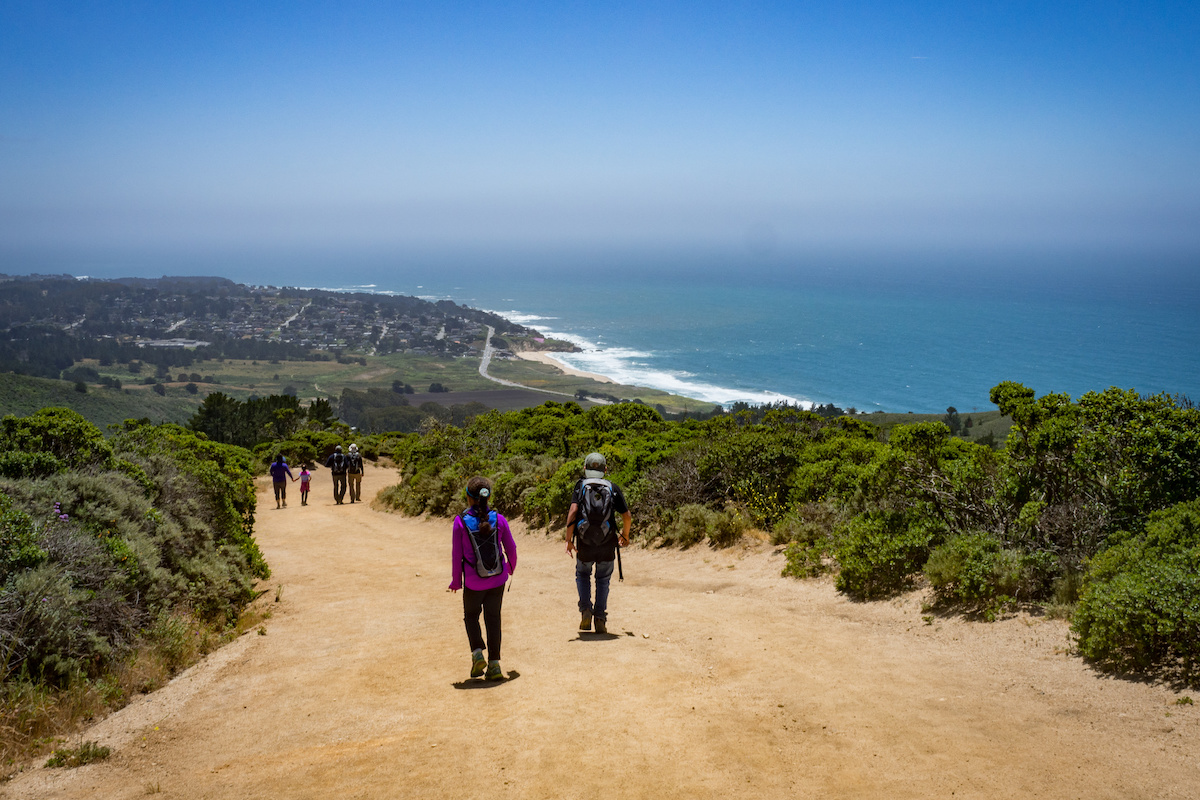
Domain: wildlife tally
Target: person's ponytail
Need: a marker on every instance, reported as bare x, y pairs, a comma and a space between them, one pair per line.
479, 489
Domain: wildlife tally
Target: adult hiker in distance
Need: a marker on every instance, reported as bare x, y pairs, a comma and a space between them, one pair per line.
280, 471
593, 538
354, 473
337, 464
482, 556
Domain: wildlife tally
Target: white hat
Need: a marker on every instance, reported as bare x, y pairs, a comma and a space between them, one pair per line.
353, 448
594, 465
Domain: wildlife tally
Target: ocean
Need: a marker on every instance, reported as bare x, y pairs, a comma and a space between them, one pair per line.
865, 338
868, 332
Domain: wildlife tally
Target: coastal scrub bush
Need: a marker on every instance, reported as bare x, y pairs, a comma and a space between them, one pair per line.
974, 568
880, 553
19, 549
57, 432
691, 524
1140, 608
808, 534
728, 527
213, 484
19, 464
519, 477
296, 451
547, 504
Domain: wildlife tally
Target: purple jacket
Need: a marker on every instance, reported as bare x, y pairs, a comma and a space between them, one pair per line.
462, 547
278, 470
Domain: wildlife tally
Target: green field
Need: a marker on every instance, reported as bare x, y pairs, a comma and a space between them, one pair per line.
22, 395
982, 422
311, 379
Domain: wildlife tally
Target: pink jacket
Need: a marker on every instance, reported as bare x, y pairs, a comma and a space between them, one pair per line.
461, 548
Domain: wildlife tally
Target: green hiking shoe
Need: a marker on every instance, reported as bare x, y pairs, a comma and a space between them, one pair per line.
478, 664
585, 623
494, 672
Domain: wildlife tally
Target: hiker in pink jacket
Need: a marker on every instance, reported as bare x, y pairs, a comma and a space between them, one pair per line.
483, 554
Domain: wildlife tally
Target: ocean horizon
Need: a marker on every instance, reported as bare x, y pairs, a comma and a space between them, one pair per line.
860, 334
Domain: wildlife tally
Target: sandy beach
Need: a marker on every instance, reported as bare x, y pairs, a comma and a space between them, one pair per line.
545, 358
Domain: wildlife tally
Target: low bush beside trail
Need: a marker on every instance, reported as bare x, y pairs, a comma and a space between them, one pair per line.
121, 561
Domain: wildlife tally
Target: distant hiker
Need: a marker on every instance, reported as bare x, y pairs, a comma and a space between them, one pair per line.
280, 471
482, 556
337, 464
304, 481
592, 536
354, 472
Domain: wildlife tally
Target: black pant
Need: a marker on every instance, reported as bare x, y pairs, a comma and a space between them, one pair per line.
488, 601
339, 486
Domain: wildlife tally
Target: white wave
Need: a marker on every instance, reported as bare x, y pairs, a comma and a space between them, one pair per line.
632, 367
518, 317
626, 365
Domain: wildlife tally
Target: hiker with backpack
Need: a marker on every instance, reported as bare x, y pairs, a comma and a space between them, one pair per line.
338, 463
354, 473
482, 556
592, 536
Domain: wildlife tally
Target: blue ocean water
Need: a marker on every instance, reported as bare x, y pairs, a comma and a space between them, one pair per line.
868, 332
916, 344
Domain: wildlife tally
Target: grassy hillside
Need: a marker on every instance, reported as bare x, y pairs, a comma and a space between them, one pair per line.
982, 422
22, 395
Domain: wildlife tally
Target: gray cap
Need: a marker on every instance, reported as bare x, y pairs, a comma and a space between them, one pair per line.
594, 466
338, 448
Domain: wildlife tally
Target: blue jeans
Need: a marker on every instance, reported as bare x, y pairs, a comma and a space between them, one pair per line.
583, 582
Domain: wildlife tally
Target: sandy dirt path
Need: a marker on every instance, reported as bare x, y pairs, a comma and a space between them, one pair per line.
719, 679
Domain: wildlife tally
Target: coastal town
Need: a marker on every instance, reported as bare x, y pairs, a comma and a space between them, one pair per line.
189, 313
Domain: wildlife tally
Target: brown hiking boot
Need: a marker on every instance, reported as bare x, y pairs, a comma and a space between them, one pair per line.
601, 627
585, 623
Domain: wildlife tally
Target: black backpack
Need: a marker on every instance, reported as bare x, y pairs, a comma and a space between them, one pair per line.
485, 541
594, 526
354, 463
339, 464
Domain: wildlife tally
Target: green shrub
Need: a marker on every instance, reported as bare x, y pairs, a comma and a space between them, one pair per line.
808, 534
19, 464
880, 552
86, 753
728, 527
547, 504
691, 524
974, 568
803, 559
58, 432
19, 549
1140, 608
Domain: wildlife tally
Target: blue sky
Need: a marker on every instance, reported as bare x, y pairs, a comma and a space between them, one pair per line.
768, 126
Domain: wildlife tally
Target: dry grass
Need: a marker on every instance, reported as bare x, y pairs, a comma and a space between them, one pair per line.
36, 719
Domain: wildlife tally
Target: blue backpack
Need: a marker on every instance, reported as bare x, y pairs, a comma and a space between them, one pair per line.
485, 541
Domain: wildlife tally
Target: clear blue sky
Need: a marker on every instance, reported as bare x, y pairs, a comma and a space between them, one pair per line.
641, 124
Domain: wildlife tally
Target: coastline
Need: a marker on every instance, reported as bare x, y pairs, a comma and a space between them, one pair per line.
543, 357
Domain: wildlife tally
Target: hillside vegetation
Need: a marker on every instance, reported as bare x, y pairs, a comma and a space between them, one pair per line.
1090, 509
121, 561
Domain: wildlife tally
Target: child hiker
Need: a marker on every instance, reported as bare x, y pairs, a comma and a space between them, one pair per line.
304, 478
483, 555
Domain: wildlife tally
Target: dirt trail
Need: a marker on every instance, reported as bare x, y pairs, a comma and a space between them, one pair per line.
720, 679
